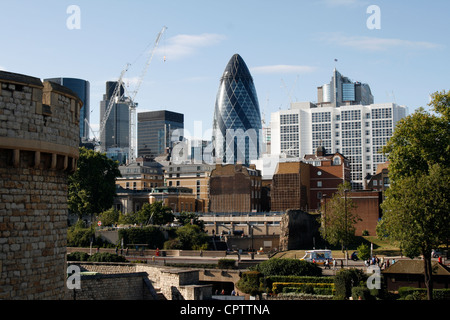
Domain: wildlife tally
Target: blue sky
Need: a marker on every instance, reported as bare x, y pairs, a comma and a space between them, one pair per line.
289, 46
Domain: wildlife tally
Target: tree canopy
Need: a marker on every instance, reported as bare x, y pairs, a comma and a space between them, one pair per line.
417, 204
339, 220
92, 186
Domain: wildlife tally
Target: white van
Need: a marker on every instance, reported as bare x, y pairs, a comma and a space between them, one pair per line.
318, 256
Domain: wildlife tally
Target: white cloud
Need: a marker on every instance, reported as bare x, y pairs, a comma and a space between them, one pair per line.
183, 45
376, 44
2, 68
282, 68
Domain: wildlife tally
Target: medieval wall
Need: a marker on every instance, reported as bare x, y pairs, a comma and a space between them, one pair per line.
298, 228
39, 138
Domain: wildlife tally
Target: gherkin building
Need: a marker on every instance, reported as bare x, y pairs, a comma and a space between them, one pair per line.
237, 130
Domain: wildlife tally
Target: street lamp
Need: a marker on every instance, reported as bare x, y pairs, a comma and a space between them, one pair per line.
346, 231
325, 218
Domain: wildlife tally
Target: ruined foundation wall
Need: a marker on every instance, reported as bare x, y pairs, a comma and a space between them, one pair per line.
39, 138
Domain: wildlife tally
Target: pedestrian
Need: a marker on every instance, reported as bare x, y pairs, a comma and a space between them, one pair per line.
222, 292
334, 264
233, 293
342, 263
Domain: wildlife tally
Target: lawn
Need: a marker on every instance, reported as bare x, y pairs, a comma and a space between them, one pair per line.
380, 248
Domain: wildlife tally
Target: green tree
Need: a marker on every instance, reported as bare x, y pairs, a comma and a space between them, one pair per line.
338, 224
191, 237
156, 213
416, 209
191, 218
416, 213
92, 186
363, 251
109, 217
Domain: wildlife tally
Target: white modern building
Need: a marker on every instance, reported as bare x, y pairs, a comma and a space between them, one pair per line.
356, 131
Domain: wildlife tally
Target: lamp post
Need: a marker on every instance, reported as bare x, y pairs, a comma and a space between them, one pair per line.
346, 231
325, 218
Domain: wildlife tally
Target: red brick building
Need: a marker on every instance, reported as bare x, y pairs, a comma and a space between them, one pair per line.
327, 172
290, 186
367, 207
235, 188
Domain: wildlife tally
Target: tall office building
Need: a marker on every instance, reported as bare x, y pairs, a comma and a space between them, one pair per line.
82, 89
157, 131
237, 132
115, 138
356, 131
342, 91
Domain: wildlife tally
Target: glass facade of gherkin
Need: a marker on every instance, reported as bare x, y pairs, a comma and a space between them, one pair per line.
237, 130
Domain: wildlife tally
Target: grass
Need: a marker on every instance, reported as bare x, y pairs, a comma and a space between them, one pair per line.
380, 248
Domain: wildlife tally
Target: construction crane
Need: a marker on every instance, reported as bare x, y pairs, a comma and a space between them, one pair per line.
115, 98
133, 105
118, 96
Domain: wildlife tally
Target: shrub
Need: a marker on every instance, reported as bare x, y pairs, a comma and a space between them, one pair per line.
410, 293
361, 293
226, 263
346, 279
250, 283
77, 236
78, 256
106, 257
363, 251
173, 244
288, 267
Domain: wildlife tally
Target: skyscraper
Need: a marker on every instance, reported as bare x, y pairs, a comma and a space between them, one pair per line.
156, 131
342, 91
350, 124
115, 138
82, 89
237, 132
357, 131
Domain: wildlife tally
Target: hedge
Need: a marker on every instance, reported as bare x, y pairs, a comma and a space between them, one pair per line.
286, 267
309, 290
306, 287
268, 281
226, 264
410, 293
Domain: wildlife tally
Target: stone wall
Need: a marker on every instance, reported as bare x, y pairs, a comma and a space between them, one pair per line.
172, 283
125, 286
39, 138
298, 228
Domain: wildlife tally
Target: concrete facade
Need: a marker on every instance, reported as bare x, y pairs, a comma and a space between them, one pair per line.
39, 138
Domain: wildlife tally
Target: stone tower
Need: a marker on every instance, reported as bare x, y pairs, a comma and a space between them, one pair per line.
39, 138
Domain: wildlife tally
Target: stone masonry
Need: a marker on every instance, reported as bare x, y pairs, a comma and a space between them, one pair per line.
39, 138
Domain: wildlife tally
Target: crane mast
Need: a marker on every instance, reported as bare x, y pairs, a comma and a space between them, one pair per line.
133, 105
116, 97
